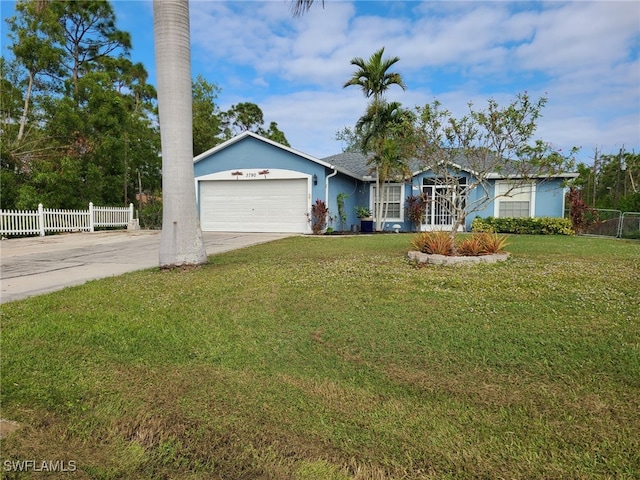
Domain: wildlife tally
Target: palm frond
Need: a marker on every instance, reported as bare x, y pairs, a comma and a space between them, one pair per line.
300, 7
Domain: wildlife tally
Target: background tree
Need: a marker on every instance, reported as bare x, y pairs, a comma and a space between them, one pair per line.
36, 37
248, 117
140, 140
207, 122
90, 37
274, 133
181, 238
628, 184
612, 182
86, 112
616, 181
349, 139
585, 182
497, 140
25, 81
11, 171
242, 117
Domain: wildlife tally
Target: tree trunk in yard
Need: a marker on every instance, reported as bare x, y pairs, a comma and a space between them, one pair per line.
25, 110
384, 206
454, 231
181, 238
376, 204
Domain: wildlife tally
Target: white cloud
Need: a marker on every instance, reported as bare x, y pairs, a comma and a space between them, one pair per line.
582, 55
581, 34
310, 119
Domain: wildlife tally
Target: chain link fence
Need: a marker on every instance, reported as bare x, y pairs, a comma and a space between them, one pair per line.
605, 222
629, 225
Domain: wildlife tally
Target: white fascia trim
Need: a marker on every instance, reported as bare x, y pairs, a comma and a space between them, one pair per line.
243, 135
253, 174
453, 165
497, 176
221, 146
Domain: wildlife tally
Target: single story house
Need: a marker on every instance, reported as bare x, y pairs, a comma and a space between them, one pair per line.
253, 184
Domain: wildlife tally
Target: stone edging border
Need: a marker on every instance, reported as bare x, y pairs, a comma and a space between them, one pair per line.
449, 260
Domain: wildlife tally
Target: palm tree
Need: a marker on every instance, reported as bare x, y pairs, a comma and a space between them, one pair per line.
386, 130
377, 121
374, 79
181, 238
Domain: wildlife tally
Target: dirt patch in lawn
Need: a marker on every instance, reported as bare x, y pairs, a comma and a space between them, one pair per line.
7, 427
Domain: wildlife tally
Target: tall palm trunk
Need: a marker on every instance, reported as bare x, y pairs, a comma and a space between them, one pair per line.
181, 238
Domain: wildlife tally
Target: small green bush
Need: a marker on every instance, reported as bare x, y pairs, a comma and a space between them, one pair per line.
523, 226
151, 216
631, 235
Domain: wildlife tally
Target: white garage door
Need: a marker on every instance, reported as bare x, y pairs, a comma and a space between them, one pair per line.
254, 205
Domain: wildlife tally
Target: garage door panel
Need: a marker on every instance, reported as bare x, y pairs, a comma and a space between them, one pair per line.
254, 206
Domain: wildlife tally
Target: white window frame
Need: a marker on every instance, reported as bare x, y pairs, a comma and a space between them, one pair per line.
529, 188
372, 201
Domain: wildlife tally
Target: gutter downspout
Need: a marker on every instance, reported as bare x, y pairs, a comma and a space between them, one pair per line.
326, 187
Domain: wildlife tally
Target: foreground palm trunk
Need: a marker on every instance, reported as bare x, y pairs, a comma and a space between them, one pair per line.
181, 239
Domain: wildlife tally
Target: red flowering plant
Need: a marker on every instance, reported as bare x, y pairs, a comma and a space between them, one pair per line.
416, 208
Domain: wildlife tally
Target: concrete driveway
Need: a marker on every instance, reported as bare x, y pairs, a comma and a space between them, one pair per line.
36, 265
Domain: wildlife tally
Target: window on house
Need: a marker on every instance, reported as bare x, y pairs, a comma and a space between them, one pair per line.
514, 209
392, 201
514, 201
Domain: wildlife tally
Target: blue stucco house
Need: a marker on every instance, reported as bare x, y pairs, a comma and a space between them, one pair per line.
253, 184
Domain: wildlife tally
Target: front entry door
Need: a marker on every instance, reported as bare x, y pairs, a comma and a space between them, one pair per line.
440, 202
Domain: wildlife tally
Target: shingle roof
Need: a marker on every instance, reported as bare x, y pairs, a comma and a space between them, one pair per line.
355, 163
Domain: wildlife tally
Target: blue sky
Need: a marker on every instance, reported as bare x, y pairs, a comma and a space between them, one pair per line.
584, 56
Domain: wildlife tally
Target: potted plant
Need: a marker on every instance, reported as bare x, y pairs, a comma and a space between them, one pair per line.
366, 219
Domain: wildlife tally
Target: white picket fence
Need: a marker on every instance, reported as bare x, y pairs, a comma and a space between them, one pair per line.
43, 220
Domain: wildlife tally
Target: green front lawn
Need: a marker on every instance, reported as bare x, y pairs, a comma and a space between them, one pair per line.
334, 358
